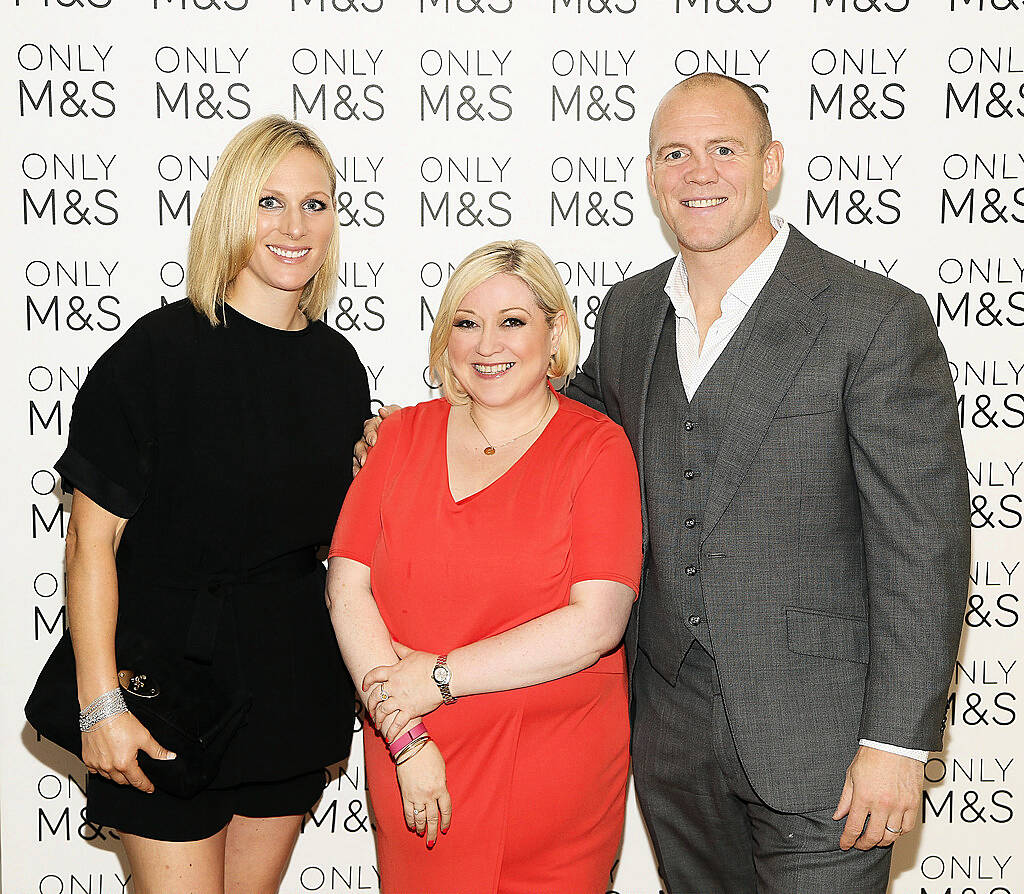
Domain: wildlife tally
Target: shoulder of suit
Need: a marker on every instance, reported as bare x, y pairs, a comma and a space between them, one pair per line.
850, 286
621, 296
645, 280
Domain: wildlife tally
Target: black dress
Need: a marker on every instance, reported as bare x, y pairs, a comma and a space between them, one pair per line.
229, 449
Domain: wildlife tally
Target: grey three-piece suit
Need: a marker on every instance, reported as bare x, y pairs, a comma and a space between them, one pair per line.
807, 540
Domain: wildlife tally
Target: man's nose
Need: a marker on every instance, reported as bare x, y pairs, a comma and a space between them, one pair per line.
701, 169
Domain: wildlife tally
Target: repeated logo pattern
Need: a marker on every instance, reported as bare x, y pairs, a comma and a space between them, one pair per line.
454, 122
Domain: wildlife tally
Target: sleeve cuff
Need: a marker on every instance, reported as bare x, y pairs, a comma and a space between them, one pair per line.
78, 473
921, 756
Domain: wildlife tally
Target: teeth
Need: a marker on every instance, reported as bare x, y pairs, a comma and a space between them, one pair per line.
703, 203
491, 368
281, 253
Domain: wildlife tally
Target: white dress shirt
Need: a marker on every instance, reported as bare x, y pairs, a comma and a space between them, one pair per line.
695, 361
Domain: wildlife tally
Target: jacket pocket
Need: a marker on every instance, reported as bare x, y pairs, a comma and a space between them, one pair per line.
828, 636
795, 410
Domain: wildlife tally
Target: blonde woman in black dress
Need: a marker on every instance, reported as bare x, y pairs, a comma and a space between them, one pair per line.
208, 444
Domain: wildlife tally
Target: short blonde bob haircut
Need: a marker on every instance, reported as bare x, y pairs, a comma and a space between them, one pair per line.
223, 235
534, 268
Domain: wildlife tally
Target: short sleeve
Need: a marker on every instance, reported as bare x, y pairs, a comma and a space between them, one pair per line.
359, 525
111, 448
606, 522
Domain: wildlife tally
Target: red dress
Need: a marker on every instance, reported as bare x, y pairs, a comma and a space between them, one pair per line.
537, 775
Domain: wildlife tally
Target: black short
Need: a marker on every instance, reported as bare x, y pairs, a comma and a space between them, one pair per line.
167, 818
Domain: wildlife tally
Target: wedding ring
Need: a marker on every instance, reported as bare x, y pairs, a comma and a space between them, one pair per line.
384, 695
894, 831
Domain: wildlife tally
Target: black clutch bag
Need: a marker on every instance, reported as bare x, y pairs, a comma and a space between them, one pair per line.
176, 699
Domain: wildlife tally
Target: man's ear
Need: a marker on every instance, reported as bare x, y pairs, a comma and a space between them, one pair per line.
772, 165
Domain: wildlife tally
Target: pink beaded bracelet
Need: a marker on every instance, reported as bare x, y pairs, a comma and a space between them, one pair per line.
406, 739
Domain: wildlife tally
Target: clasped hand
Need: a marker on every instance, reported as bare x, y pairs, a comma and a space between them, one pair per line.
112, 748
409, 691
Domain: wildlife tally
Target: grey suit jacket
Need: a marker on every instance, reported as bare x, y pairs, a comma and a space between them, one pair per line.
836, 537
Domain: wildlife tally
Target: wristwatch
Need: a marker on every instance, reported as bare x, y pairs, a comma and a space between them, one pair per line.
442, 675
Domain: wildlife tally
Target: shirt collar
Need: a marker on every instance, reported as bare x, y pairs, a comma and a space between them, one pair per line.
745, 289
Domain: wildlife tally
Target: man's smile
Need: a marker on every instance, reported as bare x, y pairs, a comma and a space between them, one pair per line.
703, 203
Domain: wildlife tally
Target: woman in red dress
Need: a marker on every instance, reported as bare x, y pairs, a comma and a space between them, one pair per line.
482, 573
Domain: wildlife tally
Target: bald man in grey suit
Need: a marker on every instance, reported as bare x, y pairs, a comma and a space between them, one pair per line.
807, 530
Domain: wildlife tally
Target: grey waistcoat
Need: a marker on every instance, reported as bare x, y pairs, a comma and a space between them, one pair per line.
681, 441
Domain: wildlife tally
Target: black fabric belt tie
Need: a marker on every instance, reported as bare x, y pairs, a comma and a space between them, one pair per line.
213, 590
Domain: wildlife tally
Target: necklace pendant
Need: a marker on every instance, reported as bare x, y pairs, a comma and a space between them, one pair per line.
489, 451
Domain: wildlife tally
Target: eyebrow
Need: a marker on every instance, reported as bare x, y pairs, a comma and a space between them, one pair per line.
315, 192
714, 141
504, 310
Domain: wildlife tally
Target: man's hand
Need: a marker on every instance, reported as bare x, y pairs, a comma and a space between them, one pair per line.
885, 790
362, 449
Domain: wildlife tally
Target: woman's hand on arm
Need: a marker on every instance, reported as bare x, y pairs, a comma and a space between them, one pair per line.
410, 686
111, 748
559, 643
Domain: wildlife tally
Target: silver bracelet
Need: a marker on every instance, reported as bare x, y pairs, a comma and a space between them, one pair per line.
106, 706
412, 749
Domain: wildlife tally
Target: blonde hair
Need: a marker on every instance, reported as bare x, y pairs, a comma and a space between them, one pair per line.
526, 261
223, 235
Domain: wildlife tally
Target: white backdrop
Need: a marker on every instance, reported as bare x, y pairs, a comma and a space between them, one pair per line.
454, 122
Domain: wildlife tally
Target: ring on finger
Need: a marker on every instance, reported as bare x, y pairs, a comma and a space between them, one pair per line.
893, 831
383, 693
417, 810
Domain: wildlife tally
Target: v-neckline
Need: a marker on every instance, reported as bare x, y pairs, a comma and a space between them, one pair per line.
447, 470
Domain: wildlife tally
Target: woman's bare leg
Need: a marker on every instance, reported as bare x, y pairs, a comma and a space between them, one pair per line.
176, 867
257, 851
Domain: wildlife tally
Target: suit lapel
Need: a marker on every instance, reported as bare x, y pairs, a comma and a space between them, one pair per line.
639, 346
787, 323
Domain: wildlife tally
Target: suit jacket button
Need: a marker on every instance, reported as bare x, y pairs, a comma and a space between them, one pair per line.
691, 522
694, 620
690, 569
688, 425
688, 474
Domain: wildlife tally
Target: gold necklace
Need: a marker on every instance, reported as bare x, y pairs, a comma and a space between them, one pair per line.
490, 449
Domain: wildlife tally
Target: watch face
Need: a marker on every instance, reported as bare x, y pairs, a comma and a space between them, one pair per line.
442, 675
